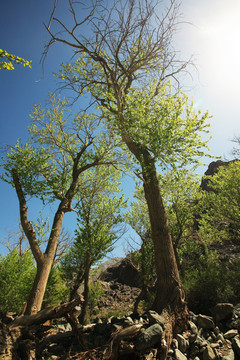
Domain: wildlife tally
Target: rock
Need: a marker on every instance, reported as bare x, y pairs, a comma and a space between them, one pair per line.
183, 344
223, 311
212, 170
236, 345
155, 318
230, 334
228, 355
102, 328
235, 324
205, 322
179, 355
220, 338
128, 321
122, 272
208, 353
149, 337
193, 327
174, 344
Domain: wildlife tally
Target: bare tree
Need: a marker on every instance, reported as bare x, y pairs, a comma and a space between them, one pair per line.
17, 240
236, 150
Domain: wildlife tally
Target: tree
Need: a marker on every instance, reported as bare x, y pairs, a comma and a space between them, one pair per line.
99, 217
17, 239
220, 206
16, 277
124, 60
179, 188
61, 147
236, 150
8, 65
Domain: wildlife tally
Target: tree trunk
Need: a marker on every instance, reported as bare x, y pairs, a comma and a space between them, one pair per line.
83, 315
170, 295
35, 298
170, 292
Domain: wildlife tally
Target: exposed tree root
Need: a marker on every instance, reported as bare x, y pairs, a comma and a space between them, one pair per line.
46, 314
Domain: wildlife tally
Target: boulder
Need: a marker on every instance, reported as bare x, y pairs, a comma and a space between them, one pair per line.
122, 272
236, 345
230, 334
228, 355
179, 355
209, 354
149, 337
205, 322
155, 318
183, 344
223, 311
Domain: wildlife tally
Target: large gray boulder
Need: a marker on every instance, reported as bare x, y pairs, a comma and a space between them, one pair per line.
149, 337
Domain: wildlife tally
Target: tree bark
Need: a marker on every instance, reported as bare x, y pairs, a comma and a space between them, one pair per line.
36, 295
46, 314
83, 315
170, 295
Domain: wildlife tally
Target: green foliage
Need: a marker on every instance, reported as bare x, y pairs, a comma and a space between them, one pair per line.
179, 189
16, 279
220, 207
96, 291
99, 216
11, 59
154, 116
56, 290
58, 139
166, 124
209, 281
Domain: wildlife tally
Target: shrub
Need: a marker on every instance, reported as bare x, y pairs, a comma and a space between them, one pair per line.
16, 278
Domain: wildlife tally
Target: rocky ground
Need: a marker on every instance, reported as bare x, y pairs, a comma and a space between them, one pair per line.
112, 335
129, 337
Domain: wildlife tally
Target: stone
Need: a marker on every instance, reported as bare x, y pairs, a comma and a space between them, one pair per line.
223, 311
179, 355
193, 327
235, 324
174, 344
236, 345
205, 322
149, 337
230, 334
155, 318
183, 344
220, 338
208, 353
228, 355
128, 321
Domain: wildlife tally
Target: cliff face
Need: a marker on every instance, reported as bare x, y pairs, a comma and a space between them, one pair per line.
122, 272
211, 170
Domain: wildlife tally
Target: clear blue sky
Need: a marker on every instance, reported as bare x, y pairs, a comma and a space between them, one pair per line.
213, 40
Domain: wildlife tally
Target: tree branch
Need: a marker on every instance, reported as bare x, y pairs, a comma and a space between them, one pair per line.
26, 224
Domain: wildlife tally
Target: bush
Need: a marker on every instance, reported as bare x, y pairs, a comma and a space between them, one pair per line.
16, 278
56, 290
211, 282
95, 293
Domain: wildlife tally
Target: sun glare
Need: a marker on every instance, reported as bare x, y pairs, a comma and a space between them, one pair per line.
222, 46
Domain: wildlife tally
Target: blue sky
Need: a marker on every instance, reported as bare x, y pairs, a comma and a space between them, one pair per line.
213, 39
